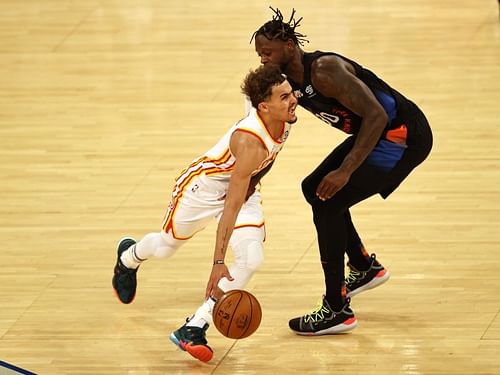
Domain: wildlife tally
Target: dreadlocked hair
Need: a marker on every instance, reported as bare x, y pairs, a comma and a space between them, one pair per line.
259, 83
278, 29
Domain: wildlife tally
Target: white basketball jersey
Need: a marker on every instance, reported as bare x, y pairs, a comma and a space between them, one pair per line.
218, 162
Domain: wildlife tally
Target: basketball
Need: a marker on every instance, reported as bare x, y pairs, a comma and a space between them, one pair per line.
237, 314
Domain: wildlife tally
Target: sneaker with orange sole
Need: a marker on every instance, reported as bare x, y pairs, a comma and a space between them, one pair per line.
193, 340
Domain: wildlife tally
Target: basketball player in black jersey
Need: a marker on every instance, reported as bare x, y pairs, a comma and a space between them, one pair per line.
390, 136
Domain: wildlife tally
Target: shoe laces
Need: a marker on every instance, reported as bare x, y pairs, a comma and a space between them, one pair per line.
318, 313
353, 276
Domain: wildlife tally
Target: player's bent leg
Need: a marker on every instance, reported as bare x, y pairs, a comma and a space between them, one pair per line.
248, 248
247, 245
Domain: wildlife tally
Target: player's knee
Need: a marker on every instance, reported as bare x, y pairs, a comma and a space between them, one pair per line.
308, 190
166, 245
255, 256
249, 255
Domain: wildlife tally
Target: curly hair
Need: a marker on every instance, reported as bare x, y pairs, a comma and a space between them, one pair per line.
278, 29
259, 83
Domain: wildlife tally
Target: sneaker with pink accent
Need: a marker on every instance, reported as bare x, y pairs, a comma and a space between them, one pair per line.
359, 281
193, 340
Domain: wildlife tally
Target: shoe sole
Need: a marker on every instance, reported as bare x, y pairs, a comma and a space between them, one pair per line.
200, 352
115, 292
376, 281
347, 326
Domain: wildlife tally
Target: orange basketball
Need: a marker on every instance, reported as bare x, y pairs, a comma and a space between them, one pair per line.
237, 314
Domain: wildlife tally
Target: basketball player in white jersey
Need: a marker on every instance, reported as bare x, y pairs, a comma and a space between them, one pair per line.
221, 185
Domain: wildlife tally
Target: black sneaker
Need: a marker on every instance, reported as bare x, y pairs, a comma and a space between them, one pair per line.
193, 340
324, 321
124, 279
359, 281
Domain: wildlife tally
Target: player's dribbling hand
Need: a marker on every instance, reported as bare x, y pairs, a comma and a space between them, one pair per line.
218, 272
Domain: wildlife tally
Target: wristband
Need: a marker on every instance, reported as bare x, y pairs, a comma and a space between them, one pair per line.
219, 261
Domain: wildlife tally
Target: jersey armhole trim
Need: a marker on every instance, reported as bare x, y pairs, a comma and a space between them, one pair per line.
255, 135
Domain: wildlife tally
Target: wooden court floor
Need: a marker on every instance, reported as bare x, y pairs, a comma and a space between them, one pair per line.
103, 102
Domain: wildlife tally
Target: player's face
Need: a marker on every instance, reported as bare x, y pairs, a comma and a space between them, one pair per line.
275, 52
283, 103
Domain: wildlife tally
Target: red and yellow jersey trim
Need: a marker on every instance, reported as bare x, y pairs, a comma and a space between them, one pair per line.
203, 165
250, 131
263, 124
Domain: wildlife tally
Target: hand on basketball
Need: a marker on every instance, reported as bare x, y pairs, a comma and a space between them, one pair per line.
331, 184
218, 272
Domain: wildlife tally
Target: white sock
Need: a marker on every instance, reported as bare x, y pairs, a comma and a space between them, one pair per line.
203, 315
130, 259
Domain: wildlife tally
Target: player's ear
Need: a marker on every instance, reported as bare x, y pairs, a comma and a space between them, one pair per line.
263, 107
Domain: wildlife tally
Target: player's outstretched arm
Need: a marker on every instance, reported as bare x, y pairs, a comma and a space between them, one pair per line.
249, 154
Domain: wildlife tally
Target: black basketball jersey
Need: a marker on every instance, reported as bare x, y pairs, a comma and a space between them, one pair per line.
334, 113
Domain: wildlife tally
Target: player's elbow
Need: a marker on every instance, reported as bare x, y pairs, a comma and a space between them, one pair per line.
384, 118
376, 121
380, 118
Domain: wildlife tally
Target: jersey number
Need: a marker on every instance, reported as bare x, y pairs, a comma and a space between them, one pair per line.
328, 118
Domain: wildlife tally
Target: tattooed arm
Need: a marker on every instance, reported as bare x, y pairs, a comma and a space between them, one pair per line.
335, 78
249, 154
